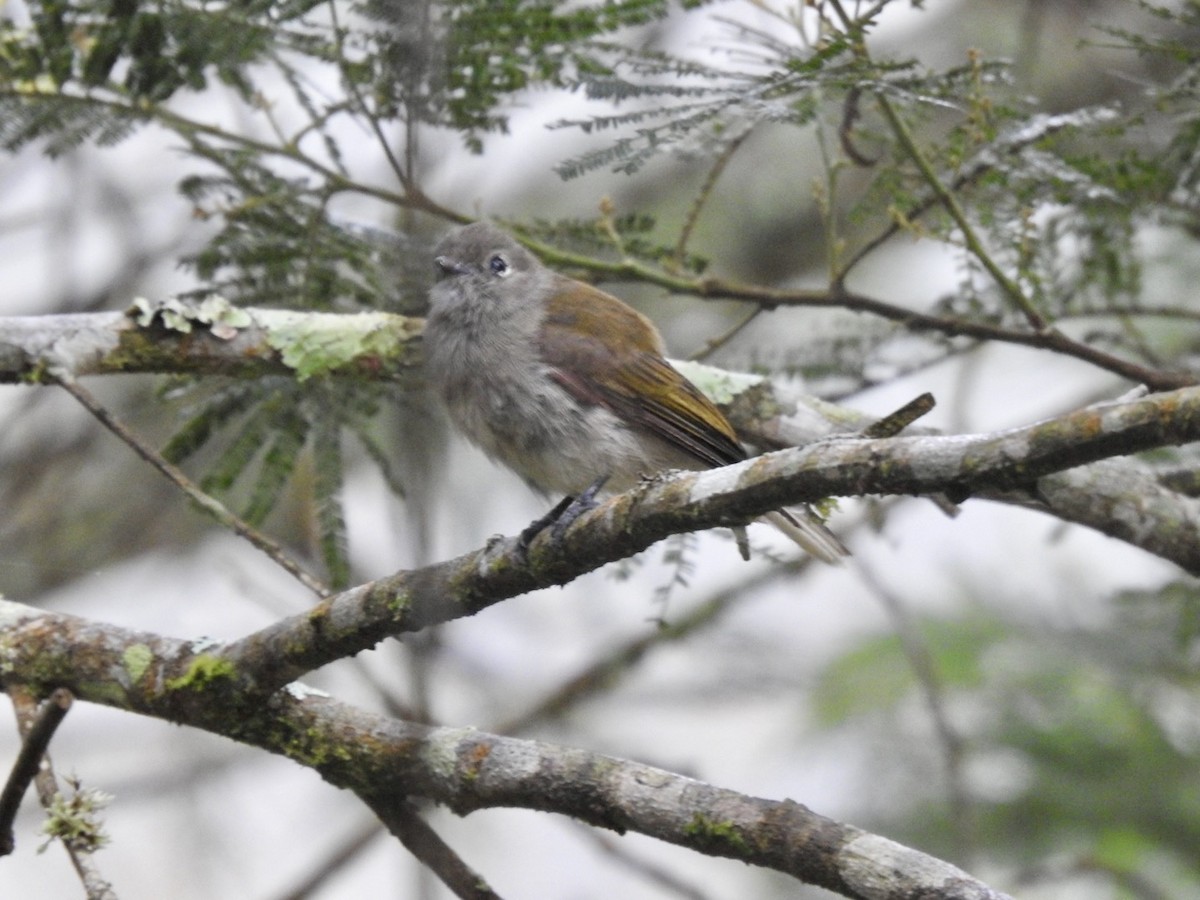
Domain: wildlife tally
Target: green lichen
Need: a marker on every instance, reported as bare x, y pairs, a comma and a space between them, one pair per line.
204, 670
137, 659
214, 311
399, 602
314, 344
38, 373
310, 747
107, 693
135, 351
720, 385
74, 818
716, 834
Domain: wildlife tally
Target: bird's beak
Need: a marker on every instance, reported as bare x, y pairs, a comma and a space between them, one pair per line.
447, 266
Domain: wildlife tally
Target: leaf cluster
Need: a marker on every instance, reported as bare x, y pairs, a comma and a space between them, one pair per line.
277, 245
146, 51
495, 50
280, 431
631, 236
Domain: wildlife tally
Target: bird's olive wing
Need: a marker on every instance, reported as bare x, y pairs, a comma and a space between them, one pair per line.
606, 353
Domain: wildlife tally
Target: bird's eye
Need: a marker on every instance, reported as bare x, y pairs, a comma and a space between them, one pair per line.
499, 265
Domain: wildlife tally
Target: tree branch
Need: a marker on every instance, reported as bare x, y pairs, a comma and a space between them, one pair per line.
37, 730
389, 760
37, 725
960, 466
250, 342
379, 345
209, 338
1120, 497
403, 821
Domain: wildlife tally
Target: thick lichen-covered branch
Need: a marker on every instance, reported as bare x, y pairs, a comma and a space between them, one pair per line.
215, 337
211, 337
961, 466
390, 761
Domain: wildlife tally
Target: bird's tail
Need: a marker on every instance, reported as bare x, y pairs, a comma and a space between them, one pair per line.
803, 527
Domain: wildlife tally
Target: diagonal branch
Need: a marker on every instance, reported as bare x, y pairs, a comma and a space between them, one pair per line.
42, 724
959, 466
402, 820
37, 726
379, 345
389, 760
210, 504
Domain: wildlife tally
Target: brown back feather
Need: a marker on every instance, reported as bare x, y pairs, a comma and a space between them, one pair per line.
589, 331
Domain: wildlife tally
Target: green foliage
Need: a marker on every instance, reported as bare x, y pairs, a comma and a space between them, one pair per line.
498, 48
277, 247
146, 51
1096, 737
263, 437
878, 674
631, 236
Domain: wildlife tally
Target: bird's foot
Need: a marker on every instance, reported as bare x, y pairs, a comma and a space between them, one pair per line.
565, 512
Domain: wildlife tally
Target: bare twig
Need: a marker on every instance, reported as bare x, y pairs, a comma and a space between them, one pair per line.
895, 422
924, 669
850, 114
606, 672
345, 851
175, 475
402, 819
36, 738
403, 175
37, 726
837, 296
714, 344
703, 195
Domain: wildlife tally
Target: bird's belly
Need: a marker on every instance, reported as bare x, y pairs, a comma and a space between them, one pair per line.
556, 445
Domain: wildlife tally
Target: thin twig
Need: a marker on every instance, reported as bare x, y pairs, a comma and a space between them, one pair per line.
850, 115
972, 240
945, 195
605, 673
37, 738
190, 129
402, 819
984, 165
714, 344
924, 668
343, 852
1050, 340
895, 422
175, 475
702, 197
44, 720
352, 86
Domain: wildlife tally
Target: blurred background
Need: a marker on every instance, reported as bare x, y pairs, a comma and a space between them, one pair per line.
1010, 692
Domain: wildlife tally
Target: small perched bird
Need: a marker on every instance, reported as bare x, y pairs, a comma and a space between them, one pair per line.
565, 384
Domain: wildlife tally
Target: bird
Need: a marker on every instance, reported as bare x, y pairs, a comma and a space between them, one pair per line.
569, 386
